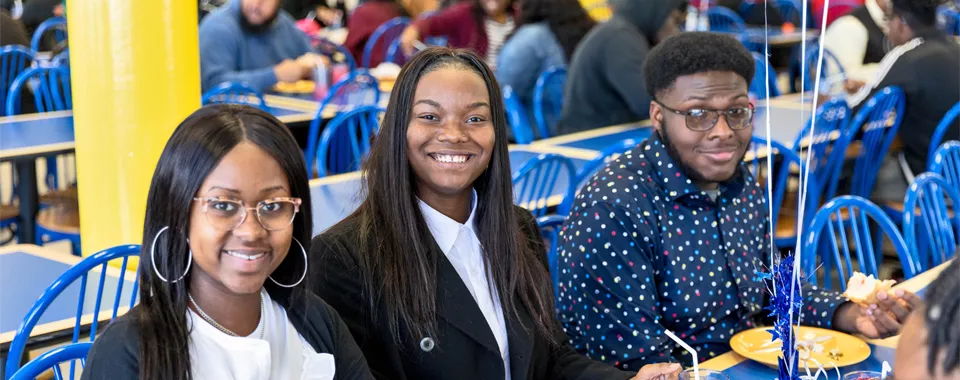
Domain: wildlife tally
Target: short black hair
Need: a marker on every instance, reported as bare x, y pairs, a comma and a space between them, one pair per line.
918, 14
942, 318
695, 52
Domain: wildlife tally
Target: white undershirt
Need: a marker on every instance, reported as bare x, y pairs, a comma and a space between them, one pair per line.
460, 244
282, 354
496, 35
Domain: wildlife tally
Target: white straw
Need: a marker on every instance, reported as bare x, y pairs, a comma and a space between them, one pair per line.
693, 353
885, 369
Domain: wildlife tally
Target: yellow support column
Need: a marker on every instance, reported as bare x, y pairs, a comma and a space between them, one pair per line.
135, 70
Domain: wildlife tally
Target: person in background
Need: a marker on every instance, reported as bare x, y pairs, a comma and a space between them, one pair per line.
929, 347
859, 41
12, 31
752, 11
926, 65
325, 14
438, 274
35, 12
478, 25
364, 21
223, 286
548, 33
605, 83
669, 235
253, 42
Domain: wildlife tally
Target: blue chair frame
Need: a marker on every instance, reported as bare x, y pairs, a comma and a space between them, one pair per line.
52, 360
949, 119
342, 95
606, 156
812, 59
14, 60
235, 93
77, 272
536, 180
725, 20
848, 216
548, 99
58, 24
784, 161
828, 152
52, 92
932, 229
384, 35
517, 116
946, 162
758, 86
354, 130
878, 129
550, 227
333, 51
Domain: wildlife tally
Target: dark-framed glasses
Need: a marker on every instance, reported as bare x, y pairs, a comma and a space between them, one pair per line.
702, 120
227, 214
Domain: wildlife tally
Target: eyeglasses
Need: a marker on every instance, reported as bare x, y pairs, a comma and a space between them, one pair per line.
228, 214
702, 120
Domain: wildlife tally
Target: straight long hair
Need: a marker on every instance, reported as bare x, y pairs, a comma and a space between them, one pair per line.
400, 267
193, 151
567, 20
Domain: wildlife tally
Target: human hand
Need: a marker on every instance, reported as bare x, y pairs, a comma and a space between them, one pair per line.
659, 371
884, 318
290, 71
409, 39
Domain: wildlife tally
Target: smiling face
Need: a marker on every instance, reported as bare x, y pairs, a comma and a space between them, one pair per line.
711, 156
450, 136
239, 260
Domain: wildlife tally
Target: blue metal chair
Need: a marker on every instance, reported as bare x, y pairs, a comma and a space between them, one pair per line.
517, 117
62, 59
346, 140
51, 89
832, 74
234, 93
932, 229
550, 227
336, 53
949, 120
792, 11
828, 150
358, 89
53, 359
786, 164
98, 261
382, 37
877, 122
758, 86
59, 28
946, 162
725, 20
948, 20
548, 100
14, 60
534, 183
846, 223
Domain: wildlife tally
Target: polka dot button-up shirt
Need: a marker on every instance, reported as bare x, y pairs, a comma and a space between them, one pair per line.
644, 250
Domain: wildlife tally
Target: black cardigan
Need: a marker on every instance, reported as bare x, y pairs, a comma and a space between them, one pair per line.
115, 353
464, 347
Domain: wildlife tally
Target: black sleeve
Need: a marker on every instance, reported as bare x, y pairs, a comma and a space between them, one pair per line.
566, 363
351, 364
114, 355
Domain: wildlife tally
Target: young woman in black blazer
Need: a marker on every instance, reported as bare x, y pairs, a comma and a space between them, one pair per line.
406, 270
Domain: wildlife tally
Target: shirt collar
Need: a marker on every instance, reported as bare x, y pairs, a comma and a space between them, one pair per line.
444, 229
675, 182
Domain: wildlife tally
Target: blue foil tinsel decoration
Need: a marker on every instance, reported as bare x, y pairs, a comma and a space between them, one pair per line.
780, 307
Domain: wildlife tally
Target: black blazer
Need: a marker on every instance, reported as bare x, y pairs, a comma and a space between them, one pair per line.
464, 347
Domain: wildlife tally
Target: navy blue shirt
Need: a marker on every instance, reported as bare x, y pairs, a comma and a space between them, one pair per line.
644, 249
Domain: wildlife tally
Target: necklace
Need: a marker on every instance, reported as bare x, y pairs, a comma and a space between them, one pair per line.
220, 327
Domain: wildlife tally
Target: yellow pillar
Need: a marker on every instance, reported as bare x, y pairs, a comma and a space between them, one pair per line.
135, 70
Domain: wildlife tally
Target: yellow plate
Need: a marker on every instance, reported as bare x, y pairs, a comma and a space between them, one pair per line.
298, 87
755, 344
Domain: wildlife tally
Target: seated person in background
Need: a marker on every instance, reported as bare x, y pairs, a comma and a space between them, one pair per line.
478, 25
548, 34
929, 346
605, 79
926, 66
253, 42
859, 40
669, 235
364, 21
754, 15
324, 14
222, 290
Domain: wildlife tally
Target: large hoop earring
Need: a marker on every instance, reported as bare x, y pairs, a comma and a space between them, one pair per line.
153, 261
304, 268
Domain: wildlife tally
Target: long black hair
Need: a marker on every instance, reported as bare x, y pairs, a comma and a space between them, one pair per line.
567, 19
942, 317
401, 267
195, 148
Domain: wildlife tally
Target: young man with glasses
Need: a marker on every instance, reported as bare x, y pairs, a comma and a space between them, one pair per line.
671, 234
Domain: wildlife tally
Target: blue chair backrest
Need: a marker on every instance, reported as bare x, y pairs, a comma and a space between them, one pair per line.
791, 11
517, 117
14, 60
877, 123
59, 26
550, 230
235, 93
765, 74
382, 37
536, 181
50, 86
548, 100
346, 140
62, 59
948, 20
949, 120
785, 163
931, 228
831, 71
98, 261
827, 145
336, 53
846, 223
53, 359
723, 19
358, 89
946, 162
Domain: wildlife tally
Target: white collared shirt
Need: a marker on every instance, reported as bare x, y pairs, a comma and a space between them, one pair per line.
459, 242
847, 39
